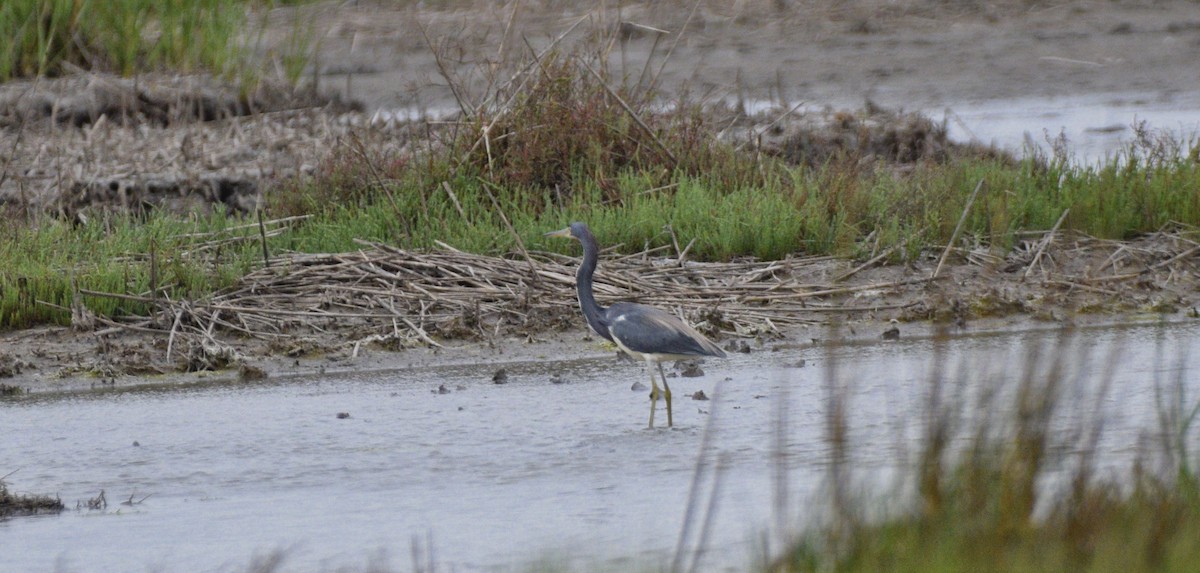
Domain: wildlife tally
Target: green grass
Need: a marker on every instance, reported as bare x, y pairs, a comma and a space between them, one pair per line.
51, 37
823, 211
50, 262
813, 212
1152, 529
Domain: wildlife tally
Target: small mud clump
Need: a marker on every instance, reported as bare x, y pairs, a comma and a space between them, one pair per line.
699, 395
739, 346
206, 356
10, 365
500, 377
691, 370
248, 373
892, 333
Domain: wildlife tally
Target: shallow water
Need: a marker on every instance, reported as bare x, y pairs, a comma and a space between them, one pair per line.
498, 476
1097, 127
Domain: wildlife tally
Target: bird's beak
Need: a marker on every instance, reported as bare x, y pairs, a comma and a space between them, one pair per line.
561, 234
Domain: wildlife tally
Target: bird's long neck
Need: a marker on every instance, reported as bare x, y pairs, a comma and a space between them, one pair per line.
593, 312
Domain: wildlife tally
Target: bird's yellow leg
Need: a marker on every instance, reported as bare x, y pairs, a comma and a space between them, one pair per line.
654, 393
666, 395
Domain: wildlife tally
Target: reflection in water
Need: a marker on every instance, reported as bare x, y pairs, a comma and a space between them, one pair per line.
504, 474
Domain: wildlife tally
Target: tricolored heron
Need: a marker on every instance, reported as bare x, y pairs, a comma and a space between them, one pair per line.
643, 332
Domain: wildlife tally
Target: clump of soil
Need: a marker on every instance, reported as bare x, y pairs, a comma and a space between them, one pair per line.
13, 505
871, 135
10, 366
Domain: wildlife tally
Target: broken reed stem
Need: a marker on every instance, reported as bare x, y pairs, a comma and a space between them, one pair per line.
174, 329
675, 243
962, 219
1037, 257
268, 222
1171, 260
881, 256
454, 199
262, 233
128, 297
710, 512
516, 236
1081, 286
153, 269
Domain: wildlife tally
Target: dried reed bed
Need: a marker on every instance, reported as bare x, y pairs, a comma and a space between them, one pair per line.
403, 298
386, 294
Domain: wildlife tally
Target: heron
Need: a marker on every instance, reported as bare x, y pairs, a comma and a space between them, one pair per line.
646, 333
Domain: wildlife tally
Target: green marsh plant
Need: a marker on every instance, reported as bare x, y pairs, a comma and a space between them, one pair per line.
1007, 478
127, 37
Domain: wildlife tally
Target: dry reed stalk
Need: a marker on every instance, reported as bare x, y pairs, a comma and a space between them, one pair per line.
1175, 258
957, 229
1037, 257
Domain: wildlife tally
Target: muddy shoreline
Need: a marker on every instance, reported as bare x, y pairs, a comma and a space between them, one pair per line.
46, 374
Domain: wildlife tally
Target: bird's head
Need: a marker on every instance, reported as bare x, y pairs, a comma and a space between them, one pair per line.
576, 231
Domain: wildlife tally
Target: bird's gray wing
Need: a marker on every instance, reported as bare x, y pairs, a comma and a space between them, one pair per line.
646, 329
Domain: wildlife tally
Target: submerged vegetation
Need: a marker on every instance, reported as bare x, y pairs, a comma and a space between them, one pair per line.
14, 504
